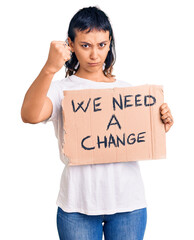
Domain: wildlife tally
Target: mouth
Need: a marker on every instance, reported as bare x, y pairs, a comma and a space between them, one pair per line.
93, 64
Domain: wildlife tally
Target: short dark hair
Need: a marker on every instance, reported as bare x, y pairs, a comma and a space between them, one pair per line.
91, 18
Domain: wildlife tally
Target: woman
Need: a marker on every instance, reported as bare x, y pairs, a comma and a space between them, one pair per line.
95, 198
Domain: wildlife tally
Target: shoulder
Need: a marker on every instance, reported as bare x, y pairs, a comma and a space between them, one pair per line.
60, 84
64, 84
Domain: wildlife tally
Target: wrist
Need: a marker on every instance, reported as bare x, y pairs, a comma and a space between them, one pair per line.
46, 69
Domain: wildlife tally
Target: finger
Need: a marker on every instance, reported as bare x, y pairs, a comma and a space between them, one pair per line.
67, 54
164, 105
165, 115
67, 47
165, 110
168, 121
67, 58
60, 42
171, 121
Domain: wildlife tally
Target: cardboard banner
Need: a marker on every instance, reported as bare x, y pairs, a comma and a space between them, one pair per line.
113, 125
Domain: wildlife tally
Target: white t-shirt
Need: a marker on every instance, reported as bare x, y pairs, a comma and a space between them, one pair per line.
94, 189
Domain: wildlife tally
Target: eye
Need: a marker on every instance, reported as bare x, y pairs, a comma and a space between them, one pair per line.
102, 43
84, 45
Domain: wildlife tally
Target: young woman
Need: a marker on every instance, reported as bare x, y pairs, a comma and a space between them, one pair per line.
95, 198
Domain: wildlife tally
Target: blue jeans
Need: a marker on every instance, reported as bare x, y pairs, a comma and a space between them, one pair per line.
118, 226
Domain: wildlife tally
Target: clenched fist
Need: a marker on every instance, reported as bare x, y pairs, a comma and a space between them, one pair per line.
59, 53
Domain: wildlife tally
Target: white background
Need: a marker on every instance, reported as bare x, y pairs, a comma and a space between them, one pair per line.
155, 45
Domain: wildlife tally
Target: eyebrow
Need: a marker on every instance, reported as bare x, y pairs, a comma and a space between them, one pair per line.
90, 43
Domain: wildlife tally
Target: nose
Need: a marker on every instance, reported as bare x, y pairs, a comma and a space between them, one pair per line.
94, 53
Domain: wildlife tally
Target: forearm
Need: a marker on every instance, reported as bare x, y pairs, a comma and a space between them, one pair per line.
35, 96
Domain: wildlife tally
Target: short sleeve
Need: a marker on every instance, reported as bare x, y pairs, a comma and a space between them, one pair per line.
54, 95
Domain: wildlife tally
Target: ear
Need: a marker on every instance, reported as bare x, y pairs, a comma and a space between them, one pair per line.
71, 44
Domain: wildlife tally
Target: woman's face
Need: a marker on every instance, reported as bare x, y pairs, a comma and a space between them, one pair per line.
91, 49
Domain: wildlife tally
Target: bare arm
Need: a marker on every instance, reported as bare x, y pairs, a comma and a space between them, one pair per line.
36, 106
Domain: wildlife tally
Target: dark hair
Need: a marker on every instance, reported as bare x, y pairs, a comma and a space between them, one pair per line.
91, 18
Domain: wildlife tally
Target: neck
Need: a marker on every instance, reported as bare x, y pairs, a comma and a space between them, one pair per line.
97, 76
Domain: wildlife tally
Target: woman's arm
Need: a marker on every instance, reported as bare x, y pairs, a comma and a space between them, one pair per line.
36, 106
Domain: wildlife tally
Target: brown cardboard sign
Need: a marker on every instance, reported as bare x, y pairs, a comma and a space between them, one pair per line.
113, 125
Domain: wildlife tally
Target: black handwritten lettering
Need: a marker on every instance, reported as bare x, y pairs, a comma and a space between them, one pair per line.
149, 100
137, 100
96, 105
116, 123
145, 100
139, 137
128, 100
133, 139
83, 146
100, 142
115, 101
114, 141
111, 141
80, 105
